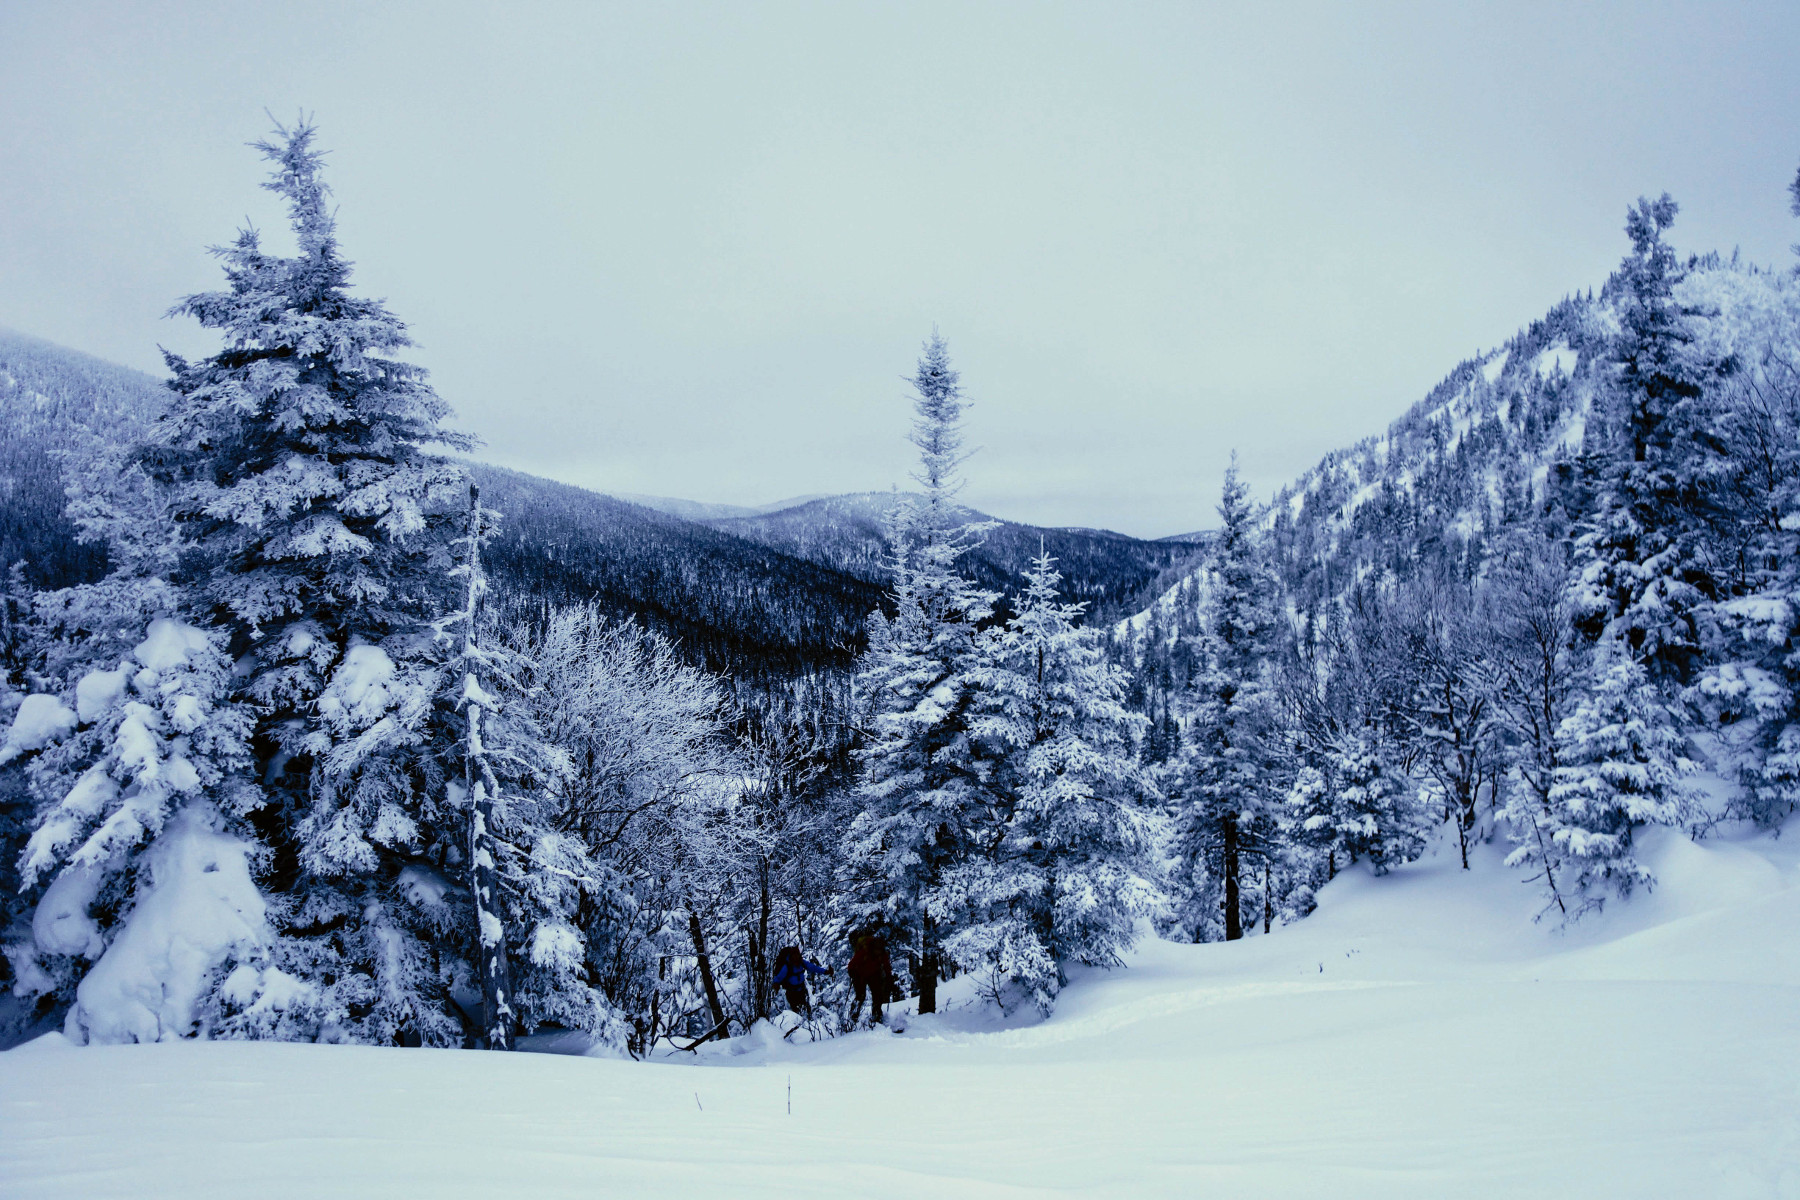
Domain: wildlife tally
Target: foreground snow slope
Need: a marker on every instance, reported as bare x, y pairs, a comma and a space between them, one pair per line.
1418, 1036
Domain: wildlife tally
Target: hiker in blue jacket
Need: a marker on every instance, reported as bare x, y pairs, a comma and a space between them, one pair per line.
791, 970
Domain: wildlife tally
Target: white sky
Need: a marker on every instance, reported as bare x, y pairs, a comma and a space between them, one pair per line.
691, 250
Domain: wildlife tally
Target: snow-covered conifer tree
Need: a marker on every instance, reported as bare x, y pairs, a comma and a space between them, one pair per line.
1749, 689
1375, 813
142, 770
1621, 762
923, 781
1638, 578
298, 464
1069, 865
1224, 785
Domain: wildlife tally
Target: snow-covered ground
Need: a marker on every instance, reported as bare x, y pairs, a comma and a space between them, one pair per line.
1418, 1036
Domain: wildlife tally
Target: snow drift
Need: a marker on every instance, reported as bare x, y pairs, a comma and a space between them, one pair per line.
1418, 1036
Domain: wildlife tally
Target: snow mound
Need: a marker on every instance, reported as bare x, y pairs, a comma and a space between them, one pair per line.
197, 907
169, 644
40, 720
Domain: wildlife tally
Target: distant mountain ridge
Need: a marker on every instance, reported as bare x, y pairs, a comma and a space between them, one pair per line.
700, 510
783, 589
1107, 571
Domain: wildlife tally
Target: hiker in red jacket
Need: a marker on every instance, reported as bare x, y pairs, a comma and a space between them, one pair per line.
871, 972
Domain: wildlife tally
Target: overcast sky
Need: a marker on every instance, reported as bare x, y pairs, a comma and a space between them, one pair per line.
692, 250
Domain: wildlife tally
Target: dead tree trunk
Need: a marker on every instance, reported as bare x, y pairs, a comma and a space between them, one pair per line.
764, 986
481, 789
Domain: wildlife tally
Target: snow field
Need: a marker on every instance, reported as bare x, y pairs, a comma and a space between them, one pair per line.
1418, 1036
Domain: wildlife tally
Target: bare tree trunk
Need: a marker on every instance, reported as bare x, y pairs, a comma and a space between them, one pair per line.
1462, 839
765, 987
478, 780
753, 990
927, 974
1268, 899
706, 972
1234, 917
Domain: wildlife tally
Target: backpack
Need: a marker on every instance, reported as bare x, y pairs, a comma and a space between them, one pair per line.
788, 970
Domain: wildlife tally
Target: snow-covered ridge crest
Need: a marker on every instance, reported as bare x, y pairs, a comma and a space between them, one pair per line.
1495, 435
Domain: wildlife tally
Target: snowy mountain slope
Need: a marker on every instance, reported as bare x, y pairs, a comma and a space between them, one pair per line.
1497, 438
51, 397
1417, 1037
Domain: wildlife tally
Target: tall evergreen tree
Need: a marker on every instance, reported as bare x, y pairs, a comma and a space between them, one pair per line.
1224, 783
298, 464
1638, 576
1358, 809
923, 782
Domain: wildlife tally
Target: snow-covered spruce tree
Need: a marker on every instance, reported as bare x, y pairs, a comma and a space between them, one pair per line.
142, 776
1638, 575
1069, 867
1224, 786
1358, 810
137, 868
923, 781
1375, 814
315, 519
1620, 765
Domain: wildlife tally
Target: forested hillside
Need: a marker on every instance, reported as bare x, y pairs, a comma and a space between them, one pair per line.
736, 607
54, 400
